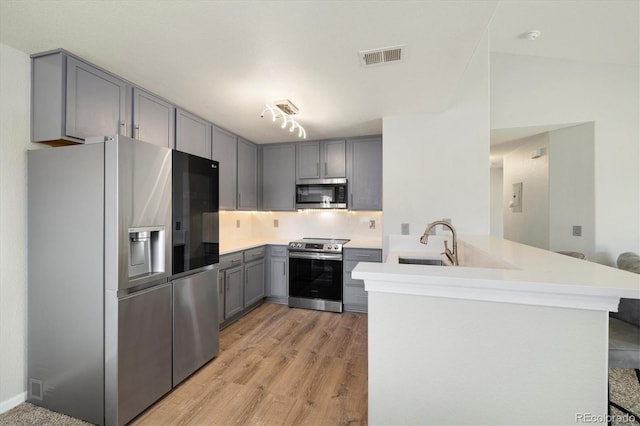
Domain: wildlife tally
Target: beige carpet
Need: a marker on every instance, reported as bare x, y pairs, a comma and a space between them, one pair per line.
625, 390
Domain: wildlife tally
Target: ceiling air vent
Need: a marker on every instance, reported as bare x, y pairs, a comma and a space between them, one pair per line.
382, 56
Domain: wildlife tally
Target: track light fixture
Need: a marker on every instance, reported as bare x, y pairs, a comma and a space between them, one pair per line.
283, 110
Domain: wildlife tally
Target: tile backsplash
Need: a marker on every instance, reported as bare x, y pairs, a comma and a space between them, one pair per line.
294, 225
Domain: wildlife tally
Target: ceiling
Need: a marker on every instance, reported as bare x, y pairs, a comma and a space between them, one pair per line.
223, 60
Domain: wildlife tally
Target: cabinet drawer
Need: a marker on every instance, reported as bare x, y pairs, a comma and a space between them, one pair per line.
363, 255
254, 254
278, 251
230, 260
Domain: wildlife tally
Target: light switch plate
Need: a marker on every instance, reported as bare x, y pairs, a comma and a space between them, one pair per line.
577, 231
404, 228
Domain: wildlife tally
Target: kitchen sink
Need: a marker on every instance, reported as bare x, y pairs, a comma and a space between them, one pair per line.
420, 261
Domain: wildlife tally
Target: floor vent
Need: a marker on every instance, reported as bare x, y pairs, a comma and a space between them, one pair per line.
35, 389
382, 56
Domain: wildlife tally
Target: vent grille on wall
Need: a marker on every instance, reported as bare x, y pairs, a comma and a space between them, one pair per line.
382, 56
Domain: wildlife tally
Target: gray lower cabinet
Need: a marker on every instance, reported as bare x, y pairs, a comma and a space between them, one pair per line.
153, 119
354, 297
247, 175
72, 100
253, 276
233, 295
278, 177
193, 134
232, 283
225, 152
364, 173
277, 274
241, 283
322, 159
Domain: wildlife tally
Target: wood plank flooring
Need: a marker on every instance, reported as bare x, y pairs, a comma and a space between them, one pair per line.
277, 366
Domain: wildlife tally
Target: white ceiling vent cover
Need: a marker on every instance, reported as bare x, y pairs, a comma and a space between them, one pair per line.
381, 56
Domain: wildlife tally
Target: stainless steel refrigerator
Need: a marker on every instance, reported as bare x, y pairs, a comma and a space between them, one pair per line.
100, 290
195, 263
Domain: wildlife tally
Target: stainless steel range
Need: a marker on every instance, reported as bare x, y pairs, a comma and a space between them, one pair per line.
315, 274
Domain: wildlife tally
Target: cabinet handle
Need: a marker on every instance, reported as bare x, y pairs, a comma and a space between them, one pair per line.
123, 127
239, 200
325, 168
350, 200
137, 132
284, 268
318, 169
363, 256
236, 261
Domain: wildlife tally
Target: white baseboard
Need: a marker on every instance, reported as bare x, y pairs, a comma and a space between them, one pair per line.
8, 404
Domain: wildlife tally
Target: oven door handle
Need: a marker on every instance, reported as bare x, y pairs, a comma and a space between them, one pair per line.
314, 256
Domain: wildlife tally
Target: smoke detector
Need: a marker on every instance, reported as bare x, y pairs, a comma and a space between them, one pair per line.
383, 55
286, 106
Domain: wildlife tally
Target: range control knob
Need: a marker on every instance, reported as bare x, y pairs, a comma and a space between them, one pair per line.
299, 245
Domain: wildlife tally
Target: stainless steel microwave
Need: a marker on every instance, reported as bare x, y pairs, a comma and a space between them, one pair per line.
321, 194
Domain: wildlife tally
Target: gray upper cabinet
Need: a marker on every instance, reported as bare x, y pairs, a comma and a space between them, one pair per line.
153, 119
247, 175
72, 100
278, 177
318, 160
193, 134
225, 152
364, 159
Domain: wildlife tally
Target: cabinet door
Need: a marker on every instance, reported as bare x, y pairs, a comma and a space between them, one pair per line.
278, 177
247, 175
193, 134
233, 297
308, 160
334, 153
225, 151
278, 277
254, 282
95, 102
153, 119
365, 174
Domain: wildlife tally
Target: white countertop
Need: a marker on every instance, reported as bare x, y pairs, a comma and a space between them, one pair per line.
518, 274
231, 246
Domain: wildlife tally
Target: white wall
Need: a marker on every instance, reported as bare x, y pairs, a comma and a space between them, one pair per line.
496, 198
531, 225
15, 86
571, 189
532, 91
437, 165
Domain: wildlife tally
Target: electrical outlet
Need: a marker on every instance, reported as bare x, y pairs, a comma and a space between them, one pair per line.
275, 223
372, 224
577, 231
237, 223
404, 228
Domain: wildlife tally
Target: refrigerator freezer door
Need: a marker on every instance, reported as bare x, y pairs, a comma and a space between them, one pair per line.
144, 350
195, 322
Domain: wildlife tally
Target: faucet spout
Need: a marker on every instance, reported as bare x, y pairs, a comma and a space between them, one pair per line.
452, 255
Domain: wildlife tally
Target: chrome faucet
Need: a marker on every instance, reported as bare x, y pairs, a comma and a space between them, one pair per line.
452, 255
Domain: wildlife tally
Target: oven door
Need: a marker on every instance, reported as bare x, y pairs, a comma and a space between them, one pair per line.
315, 280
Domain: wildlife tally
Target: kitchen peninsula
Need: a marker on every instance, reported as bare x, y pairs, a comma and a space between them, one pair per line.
515, 335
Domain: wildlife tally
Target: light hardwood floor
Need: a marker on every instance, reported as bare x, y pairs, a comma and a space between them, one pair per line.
276, 366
